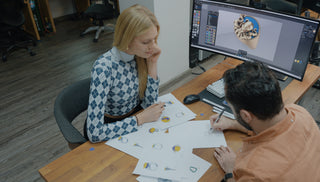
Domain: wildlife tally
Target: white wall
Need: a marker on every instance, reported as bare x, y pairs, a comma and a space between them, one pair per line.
174, 19
61, 7
173, 16
123, 4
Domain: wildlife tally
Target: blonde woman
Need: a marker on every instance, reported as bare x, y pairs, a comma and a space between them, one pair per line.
124, 80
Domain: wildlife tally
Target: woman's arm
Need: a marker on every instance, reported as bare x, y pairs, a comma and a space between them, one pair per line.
152, 90
152, 62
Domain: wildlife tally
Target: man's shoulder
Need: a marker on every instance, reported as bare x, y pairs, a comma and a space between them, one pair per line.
301, 115
266, 156
269, 163
296, 107
261, 163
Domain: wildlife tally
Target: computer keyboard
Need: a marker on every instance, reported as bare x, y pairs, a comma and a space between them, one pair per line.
217, 88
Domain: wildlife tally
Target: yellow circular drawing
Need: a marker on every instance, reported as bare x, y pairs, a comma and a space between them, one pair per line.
122, 139
165, 119
152, 130
157, 146
170, 102
150, 165
176, 148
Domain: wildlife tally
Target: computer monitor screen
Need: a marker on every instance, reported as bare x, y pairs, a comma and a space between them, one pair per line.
280, 41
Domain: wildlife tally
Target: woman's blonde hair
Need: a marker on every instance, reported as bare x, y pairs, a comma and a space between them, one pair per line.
133, 22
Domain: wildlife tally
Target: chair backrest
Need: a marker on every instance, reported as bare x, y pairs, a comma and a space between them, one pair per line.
101, 11
71, 102
114, 3
11, 12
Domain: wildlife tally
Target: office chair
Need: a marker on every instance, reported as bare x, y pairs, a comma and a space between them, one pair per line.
71, 102
100, 12
12, 36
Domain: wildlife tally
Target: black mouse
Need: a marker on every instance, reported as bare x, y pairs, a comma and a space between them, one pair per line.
189, 99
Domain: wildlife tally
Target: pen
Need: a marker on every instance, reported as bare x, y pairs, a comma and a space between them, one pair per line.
218, 118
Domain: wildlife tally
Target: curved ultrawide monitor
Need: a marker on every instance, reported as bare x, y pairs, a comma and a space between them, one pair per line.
283, 42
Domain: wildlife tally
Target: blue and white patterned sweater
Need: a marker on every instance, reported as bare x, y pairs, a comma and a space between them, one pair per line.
114, 90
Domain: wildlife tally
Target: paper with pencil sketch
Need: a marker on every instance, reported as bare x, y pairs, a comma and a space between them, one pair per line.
159, 169
163, 157
128, 144
164, 149
198, 134
175, 113
192, 168
193, 134
137, 143
134, 143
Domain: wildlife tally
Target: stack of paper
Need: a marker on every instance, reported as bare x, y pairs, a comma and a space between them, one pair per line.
175, 113
167, 153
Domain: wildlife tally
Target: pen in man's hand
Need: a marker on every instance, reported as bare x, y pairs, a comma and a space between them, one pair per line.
218, 118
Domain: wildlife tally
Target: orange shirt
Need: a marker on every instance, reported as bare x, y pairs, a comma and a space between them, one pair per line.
288, 151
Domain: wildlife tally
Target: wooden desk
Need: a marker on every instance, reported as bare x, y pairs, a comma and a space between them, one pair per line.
105, 163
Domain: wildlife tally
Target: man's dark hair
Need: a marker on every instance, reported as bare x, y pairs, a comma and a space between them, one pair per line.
253, 87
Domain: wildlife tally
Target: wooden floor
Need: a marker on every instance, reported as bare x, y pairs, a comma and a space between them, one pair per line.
30, 138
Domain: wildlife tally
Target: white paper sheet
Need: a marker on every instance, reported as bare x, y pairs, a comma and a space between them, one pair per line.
195, 168
175, 113
198, 134
163, 158
134, 143
167, 152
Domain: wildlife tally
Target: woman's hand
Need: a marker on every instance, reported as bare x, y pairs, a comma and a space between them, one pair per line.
156, 51
152, 61
150, 114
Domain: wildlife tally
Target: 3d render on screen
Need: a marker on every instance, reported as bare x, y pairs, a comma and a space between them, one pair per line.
247, 30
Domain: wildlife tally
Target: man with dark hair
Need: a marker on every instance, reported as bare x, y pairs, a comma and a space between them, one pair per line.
284, 140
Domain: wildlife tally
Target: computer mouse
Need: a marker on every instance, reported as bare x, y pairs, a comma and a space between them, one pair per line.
189, 99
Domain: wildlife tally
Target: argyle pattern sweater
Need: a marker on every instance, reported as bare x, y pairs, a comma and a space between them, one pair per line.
114, 90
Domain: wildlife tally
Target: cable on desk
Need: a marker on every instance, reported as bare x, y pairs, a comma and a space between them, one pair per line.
202, 68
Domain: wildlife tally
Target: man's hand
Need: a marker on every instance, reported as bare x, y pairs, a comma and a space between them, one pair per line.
150, 114
226, 158
224, 123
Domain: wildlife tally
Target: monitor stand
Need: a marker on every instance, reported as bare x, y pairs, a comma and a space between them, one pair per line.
284, 83
280, 76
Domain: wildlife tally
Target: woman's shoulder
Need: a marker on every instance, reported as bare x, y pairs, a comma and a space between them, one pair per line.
106, 60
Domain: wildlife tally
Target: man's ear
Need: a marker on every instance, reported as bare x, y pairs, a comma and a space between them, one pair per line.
246, 116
